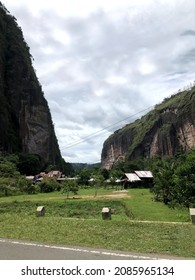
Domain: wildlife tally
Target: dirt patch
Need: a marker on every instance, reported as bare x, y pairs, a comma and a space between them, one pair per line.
109, 196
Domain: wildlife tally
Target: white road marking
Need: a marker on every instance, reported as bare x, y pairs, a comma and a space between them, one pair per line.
79, 250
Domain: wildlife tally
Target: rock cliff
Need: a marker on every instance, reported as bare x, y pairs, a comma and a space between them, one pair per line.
164, 131
25, 120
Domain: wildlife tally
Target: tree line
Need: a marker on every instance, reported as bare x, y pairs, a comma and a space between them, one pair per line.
174, 178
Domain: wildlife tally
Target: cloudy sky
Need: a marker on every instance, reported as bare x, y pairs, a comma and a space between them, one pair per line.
103, 63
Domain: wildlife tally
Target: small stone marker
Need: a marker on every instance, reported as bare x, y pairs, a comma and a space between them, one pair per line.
40, 211
192, 215
106, 213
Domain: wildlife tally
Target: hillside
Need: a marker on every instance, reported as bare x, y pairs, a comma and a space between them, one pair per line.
166, 130
25, 120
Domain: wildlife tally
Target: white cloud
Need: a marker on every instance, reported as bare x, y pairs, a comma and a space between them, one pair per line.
62, 36
146, 67
100, 62
116, 80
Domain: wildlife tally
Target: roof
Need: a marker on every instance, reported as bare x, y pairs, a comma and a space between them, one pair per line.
144, 174
30, 177
91, 180
53, 173
132, 177
117, 181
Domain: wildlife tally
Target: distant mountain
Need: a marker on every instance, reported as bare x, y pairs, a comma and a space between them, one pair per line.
79, 166
164, 131
25, 120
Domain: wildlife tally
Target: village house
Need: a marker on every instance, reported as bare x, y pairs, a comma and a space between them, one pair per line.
137, 179
146, 177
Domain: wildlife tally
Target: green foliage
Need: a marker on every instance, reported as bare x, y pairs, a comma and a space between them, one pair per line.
174, 180
49, 185
105, 173
8, 166
135, 138
116, 173
84, 177
130, 166
7, 186
70, 186
163, 182
29, 164
11, 182
26, 186
99, 182
49, 168
184, 181
68, 169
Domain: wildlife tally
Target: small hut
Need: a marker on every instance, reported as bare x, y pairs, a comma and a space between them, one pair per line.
130, 180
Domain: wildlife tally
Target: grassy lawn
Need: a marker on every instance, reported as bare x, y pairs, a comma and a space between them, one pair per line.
138, 224
142, 207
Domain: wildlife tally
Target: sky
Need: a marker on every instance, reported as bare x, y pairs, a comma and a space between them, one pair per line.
103, 64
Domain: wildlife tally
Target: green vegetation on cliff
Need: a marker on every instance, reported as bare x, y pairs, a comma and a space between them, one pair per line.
164, 131
162, 141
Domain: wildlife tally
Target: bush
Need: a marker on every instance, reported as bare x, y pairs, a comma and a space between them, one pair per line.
47, 186
174, 180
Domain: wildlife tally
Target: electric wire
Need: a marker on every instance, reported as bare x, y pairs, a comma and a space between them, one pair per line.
77, 142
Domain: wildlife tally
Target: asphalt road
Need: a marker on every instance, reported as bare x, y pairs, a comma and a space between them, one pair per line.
24, 250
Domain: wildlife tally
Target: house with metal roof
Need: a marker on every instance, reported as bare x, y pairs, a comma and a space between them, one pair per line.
137, 179
130, 179
144, 174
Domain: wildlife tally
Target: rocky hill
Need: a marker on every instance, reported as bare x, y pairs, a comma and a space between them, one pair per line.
164, 131
25, 120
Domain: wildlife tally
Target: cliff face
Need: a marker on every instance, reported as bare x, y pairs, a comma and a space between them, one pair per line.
25, 120
166, 130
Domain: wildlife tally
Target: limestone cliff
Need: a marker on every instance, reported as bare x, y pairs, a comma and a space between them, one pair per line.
25, 120
166, 130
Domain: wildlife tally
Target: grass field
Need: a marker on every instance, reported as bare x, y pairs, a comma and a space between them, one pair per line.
138, 223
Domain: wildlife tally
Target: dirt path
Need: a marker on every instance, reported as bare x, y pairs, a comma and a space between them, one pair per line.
108, 196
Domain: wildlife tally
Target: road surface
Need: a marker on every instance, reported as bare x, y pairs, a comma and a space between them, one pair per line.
24, 250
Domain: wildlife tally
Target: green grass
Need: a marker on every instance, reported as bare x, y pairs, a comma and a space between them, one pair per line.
53, 195
138, 224
173, 239
68, 208
142, 207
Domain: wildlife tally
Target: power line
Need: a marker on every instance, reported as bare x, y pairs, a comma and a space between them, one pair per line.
101, 130
112, 125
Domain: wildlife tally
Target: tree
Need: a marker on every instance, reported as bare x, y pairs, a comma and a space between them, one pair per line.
105, 173
26, 186
49, 185
29, 164
185, 181
8, 175
8, 169
98, 183
67, 168
174, 180
70, 186
163, 181
7, 186
50, 167
84, 177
